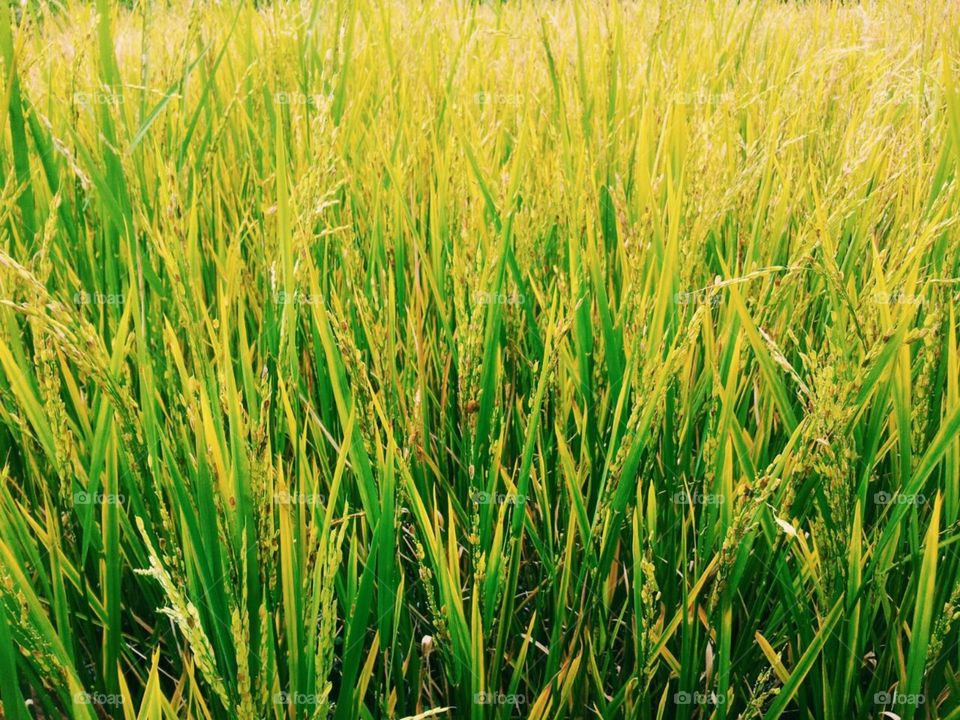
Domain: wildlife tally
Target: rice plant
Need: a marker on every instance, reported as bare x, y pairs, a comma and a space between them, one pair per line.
409, 359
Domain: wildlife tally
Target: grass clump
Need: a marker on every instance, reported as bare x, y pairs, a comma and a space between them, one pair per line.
374, 358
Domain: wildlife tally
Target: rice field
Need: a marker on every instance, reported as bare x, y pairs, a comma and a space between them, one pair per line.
430, 358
